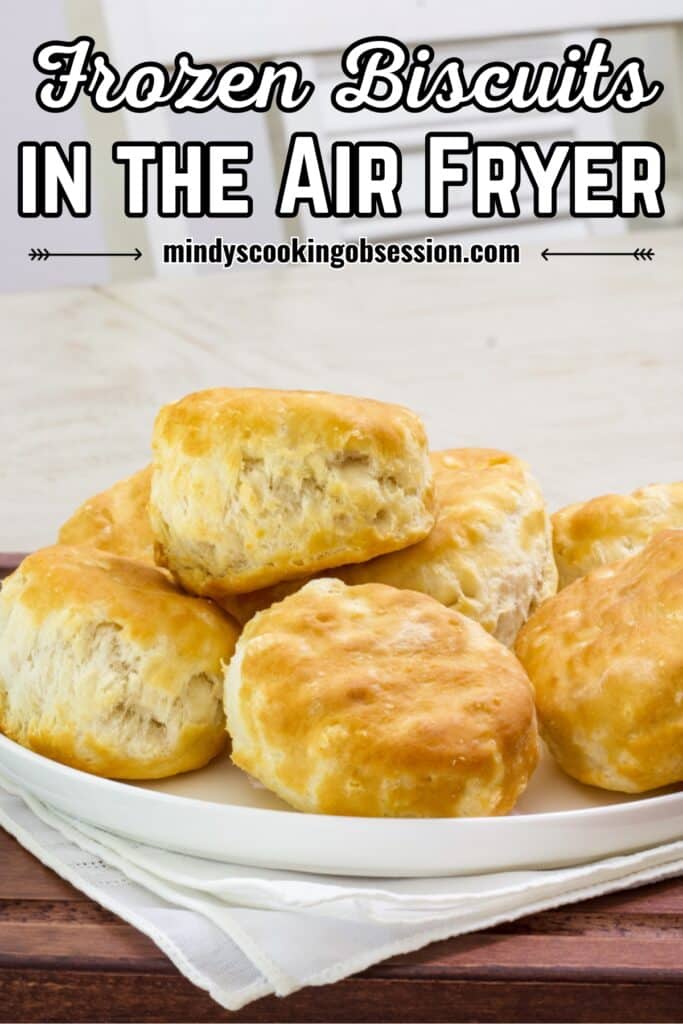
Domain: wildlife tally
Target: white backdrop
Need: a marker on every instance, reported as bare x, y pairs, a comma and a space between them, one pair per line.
26, 25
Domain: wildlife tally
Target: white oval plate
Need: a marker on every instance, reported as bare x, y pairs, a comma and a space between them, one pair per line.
220, 814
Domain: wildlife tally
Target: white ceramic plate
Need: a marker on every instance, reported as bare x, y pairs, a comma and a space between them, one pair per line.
220, 814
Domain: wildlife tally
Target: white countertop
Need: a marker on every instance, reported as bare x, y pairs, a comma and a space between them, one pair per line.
575, 364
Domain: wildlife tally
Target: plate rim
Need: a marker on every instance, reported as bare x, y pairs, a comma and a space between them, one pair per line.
121, 786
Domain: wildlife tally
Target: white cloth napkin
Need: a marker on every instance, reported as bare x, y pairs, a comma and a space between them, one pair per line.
241, 933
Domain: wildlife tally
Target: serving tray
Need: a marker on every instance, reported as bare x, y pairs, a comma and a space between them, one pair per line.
219, 813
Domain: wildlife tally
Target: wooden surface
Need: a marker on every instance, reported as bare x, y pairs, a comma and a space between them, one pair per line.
617, 958
575, 364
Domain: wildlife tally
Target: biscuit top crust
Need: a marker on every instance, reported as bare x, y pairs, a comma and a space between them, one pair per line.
606, 660
490, 516
385, 678
597, 532
634, 606
627, 595
296, 418
476, 488
91, 585
115, 520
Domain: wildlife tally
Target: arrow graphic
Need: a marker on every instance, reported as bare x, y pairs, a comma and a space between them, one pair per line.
636, 254
45, 254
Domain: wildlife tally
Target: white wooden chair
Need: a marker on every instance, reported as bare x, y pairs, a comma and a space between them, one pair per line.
315, 35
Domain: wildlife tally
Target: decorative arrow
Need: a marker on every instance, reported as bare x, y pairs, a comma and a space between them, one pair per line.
637, 254
45, 254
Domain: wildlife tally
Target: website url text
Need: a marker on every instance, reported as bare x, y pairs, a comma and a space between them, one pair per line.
336, 254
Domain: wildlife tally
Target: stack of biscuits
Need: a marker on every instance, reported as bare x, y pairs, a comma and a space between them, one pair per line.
367, 627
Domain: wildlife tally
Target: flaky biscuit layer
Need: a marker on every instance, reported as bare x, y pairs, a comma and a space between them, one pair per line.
605, 657
251, 487
488, 556
105, 665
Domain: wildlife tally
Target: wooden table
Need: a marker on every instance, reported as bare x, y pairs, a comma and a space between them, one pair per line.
574, 364
617, 958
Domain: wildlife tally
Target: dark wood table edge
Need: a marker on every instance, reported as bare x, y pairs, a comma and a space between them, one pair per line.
74, 989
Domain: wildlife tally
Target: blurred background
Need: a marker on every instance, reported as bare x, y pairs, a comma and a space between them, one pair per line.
575, 364
224, 30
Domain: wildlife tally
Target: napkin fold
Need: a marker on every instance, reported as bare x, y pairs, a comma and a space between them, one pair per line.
241, 933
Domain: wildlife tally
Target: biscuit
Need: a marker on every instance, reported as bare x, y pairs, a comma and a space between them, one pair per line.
375, 701
489, 555
251, 487
605, 657
115, 520
106, 666
598, 532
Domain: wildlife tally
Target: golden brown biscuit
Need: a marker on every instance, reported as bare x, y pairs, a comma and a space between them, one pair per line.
106, 666
115, 520
251, 487
606, 660
379, 702
598, 532
489, 555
